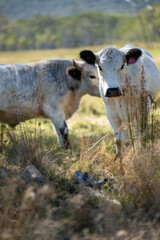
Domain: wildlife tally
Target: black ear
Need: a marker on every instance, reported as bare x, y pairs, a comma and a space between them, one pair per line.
74, 73
132, 55
88, 56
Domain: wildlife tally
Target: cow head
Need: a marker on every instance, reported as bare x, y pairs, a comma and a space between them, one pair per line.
87, 77
111, 62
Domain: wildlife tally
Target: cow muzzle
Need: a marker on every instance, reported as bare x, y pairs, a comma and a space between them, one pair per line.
113, 92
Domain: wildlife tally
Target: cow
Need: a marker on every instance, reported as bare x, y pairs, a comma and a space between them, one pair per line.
50, 89
118, 68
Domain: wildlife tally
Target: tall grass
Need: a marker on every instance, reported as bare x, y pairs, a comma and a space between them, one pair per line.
142, 123
126, 207
23, 146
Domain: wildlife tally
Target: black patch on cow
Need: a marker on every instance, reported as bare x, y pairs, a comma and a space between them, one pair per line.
73, 87
74, 73
65, 135
88, 56
133, 53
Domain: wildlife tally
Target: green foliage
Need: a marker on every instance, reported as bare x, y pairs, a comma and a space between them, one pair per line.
81, 30
47, 32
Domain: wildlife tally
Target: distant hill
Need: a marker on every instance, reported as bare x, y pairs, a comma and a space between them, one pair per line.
26, 9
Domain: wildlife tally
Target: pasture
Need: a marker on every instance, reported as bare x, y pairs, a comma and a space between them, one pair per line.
126, 207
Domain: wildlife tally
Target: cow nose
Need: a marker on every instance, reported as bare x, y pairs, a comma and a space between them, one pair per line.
113, 92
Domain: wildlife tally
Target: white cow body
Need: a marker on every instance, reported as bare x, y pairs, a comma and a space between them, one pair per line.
114, 64
51, 88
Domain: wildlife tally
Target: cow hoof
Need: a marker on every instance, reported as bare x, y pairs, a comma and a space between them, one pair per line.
67, 145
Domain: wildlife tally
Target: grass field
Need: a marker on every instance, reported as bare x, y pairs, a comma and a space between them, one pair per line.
128, 205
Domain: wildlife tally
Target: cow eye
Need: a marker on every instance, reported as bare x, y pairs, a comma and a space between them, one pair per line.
122, 67
100, 68
92, 76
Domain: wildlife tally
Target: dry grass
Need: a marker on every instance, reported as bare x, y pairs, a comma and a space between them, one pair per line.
61, 209
142, 179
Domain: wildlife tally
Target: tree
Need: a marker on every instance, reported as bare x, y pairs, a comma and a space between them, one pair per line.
148, 38
3, 24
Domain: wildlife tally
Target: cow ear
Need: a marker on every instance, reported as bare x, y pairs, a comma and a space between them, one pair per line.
74, 73
88, 56
132, 55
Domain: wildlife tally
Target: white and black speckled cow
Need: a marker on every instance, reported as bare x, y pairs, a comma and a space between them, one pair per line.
50, 88
114, 64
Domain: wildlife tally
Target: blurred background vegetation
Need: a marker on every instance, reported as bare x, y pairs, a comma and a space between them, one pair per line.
57, 24
127, 206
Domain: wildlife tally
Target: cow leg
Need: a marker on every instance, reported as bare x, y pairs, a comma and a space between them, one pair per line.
59, 124
61, 130
115, 122
117, 142
117, 137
